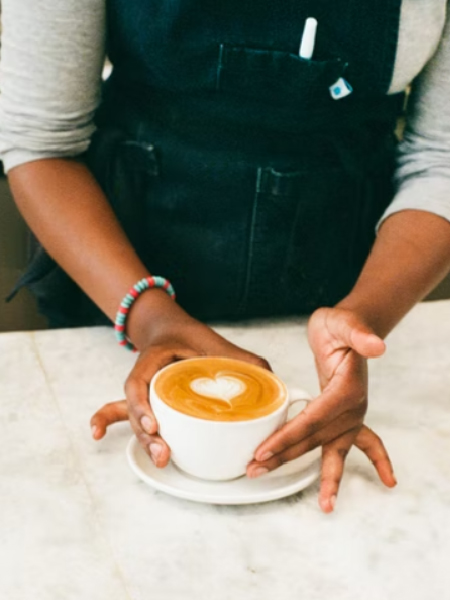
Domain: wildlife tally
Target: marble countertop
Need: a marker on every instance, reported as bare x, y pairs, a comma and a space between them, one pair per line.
75, 523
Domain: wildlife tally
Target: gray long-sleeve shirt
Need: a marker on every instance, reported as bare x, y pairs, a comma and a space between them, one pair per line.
51, 63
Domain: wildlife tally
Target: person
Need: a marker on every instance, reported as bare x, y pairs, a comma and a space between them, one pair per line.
217, 157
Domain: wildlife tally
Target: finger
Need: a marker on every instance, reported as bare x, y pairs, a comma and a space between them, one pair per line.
371, 444
141, 416
352, 333
106, 416
336, 400
114, 412
234, 351
308, 423
149, 363
156, 448
327, 435
333, 459
254, 359
214, 344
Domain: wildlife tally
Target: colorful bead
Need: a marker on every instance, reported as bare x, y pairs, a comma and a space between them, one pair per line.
128, 300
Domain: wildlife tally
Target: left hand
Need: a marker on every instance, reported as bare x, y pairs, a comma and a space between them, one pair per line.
341, 343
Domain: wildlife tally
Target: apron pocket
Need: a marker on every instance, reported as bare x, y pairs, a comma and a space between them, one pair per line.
275, 76
303, 248
324, 257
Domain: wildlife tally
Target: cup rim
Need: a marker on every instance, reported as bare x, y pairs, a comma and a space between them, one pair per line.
241, 423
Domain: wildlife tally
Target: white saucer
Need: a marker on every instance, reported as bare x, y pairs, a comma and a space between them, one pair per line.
284, 481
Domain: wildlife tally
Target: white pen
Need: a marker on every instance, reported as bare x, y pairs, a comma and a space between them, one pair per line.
308, 39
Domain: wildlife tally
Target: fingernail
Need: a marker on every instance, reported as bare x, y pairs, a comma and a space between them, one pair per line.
265, 456
333, 501
258, 472
94, 430
147, 424
155, 450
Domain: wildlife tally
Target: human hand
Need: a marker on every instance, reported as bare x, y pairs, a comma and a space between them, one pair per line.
174, 336
341, 343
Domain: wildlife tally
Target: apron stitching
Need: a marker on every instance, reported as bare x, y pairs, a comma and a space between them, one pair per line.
251, 241
219, 66
290, 245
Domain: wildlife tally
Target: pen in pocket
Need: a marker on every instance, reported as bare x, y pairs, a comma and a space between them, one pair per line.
308, 39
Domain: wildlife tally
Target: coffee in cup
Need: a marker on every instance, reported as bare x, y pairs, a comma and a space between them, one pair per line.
220, 389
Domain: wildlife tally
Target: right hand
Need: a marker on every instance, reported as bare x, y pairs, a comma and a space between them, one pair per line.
175, 336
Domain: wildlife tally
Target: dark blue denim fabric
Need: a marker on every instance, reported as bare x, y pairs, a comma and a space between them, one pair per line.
231, 169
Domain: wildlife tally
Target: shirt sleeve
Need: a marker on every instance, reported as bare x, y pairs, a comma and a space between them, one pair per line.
52, 55
422, 176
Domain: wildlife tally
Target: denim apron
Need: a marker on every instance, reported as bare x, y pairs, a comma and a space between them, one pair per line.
233, 171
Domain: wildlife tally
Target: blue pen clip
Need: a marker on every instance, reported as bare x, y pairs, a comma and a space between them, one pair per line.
340, 89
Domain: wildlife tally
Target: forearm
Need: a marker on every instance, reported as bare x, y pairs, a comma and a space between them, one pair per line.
68, 212
410, 257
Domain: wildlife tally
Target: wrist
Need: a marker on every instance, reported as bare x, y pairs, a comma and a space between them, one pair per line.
410, 256
152, 311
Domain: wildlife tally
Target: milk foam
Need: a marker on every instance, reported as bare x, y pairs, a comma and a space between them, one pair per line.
222, 387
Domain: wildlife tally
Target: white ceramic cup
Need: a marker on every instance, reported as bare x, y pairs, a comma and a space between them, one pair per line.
216, 450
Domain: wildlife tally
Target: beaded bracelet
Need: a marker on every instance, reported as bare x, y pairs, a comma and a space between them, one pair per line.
127, 303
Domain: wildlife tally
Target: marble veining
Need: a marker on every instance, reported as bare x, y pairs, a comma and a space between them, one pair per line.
76, 523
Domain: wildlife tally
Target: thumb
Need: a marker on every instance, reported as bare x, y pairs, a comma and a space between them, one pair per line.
355, 334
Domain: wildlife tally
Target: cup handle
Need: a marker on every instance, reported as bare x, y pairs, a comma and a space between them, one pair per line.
298, 395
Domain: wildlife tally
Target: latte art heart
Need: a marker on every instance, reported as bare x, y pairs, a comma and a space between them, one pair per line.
222, 387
